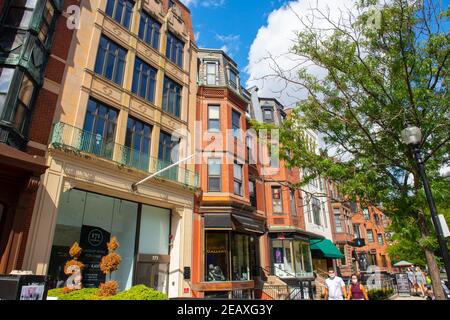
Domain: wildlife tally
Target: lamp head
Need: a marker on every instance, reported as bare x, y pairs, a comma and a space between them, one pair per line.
411, 135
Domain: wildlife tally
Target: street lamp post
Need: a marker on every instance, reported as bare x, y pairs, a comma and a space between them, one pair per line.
412, 136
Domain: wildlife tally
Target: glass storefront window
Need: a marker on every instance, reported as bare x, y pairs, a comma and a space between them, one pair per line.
241, 261
291, 258
154, 233
217, 256
91, 219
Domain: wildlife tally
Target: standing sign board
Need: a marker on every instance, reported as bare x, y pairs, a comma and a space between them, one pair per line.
403, 286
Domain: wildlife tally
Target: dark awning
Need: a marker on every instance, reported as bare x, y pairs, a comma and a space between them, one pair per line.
236, 222
325, 248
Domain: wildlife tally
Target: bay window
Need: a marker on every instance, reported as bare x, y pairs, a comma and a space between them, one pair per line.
223, 248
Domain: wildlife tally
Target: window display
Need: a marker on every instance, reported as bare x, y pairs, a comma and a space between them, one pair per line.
291, 258
223, 248
217, 256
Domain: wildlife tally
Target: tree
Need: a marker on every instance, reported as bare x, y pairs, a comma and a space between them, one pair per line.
380, 76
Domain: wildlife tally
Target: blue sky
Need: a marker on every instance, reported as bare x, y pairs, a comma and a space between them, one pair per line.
230, 24
248, 29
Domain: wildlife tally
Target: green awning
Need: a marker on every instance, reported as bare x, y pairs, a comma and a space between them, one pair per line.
324, 248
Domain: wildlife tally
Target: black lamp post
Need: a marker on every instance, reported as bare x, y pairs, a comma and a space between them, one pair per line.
412, 136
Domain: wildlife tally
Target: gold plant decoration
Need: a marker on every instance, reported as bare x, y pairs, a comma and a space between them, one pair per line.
109, 264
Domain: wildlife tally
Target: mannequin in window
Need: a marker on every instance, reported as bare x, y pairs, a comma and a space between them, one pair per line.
215, 273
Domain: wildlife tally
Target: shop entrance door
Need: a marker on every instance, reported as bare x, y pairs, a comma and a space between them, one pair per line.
152, 271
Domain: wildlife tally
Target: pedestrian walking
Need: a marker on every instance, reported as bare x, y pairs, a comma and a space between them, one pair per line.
334, 287
411, 279
420, 280
356, 290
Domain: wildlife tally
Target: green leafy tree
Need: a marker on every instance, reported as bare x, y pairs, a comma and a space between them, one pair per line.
385, 68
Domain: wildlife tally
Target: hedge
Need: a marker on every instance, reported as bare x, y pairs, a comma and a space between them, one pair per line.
380, 294
139, 292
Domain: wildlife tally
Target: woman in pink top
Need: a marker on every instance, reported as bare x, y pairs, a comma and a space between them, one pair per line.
356, 291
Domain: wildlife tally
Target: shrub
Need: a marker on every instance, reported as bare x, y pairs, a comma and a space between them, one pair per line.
139, 292
380, 294
83, 294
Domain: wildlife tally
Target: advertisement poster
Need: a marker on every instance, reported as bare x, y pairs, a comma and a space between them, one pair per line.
32, 292
93, 241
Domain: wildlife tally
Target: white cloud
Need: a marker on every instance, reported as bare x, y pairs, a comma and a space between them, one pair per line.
231, 43
277, 38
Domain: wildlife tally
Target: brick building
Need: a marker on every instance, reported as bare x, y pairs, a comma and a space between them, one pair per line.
229, 215
123, 91
30, 77
369, 224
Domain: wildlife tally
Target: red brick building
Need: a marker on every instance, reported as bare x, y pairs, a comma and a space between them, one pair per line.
229, 215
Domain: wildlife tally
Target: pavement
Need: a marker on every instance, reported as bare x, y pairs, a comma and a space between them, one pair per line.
397, 297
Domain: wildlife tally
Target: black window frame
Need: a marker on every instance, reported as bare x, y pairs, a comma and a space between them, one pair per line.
126, 17
149, 30
141, 69
171, 87
175, 49
116, 52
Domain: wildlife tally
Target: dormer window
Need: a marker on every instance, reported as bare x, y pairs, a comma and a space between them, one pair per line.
211, 73
233, 79
268, 114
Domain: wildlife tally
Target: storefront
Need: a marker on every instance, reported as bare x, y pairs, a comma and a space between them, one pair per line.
324, 252
290, 256
92, 219
231, 255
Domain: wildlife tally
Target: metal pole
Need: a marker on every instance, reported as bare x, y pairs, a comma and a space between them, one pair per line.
433, 210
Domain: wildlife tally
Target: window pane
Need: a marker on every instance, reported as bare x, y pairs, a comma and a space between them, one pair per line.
154, 232
241, 257
213, 112
216, 257
6, 75
26, 91
214, 184
214, 167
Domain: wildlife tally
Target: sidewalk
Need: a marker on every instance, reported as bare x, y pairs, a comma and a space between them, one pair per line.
397, 297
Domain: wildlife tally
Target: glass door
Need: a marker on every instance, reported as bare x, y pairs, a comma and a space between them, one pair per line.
153, 275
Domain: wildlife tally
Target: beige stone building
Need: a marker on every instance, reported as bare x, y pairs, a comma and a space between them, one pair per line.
127, 97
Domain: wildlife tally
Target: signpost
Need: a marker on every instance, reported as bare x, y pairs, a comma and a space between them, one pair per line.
403, 286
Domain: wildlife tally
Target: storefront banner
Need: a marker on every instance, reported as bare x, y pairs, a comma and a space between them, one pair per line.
93, 241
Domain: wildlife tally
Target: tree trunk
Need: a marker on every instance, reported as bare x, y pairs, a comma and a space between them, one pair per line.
431, 261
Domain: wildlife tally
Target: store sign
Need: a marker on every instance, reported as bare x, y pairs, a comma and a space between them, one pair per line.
93, 242
281, 236
403, 284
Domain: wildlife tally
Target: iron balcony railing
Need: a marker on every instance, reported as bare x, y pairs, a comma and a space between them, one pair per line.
78, 140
